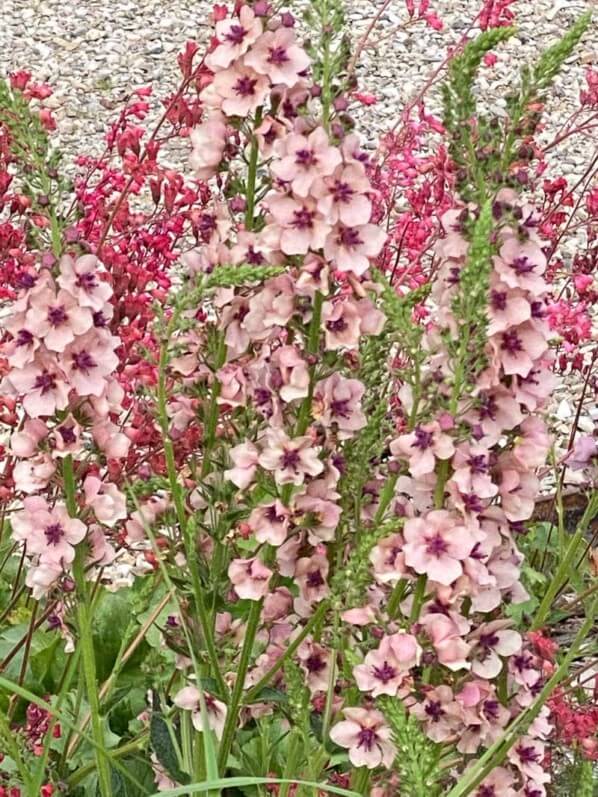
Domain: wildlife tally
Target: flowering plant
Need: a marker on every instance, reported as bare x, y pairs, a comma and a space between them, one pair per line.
275, 438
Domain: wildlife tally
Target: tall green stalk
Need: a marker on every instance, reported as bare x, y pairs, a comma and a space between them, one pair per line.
84, 620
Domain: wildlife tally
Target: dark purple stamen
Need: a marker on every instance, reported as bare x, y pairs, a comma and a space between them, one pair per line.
54, 533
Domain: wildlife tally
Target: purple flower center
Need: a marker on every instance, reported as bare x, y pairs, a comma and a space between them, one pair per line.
245, 86
314, 579
498, 300
236, 34
45, 382
305, 158
349, 237
471, 502
337, 326
303, 219
454, 276
24, 337
385, 673
290, 459
54, 533
527, 754
488, 407
67, 433
511, 342
99, 319
57, 316
478, 463
26, 280
83, 361
253, 257
486, 791
314, 663
340, 408
271, 516
489, 641
261, 395
423, 439
522, 265
278, 56
436, 546
537, 309
366, 738
434, 710
491, 709
87, 281
342, 192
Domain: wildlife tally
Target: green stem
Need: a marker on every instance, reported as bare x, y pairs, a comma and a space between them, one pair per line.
181, 512
86, 637
396, 597
360, 780
418, 598
230, 725
293, 750
561, 575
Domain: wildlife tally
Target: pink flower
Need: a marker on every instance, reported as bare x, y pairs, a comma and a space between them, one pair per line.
57, 318
303, 159
238, 91
346, 320
51, 533
386, 668
311, 574
315, 662
388, 559
533, 444
445, 633
342, 196
250, 578
437, 544
489, 642
41, 577
89, 360
269, 308
507, 308
352, 248
499, 783
322, 514
518, 348
42, 385
293, 371
471, 473
66, 438
188, 699
291, 460
80, 278
367, 736
235, 36
518, 489
277, 55
423, 447
439, 713
299, 225
521, 265
527, 755
337, 405
208, 140
244, 458
270, 523
108, 503
25, 443
33, 474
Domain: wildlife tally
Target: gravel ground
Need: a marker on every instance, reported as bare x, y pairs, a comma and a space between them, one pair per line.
93, 53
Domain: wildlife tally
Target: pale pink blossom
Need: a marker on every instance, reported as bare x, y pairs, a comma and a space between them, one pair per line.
51, 533
303, 159
518, 489
532, 444
33, 474
499, 783
436, 545
423, 447
41, 577
250, 578
315, 661
298, 223
81, 278
507, 308
89, 360
108, 503
291, 460
351, 249
489, 642
101, 552
293, 371
367, 736
521, 265
66, 438
439, 713
518, 348
235, 36
269, 308
337, 405
237, 91
277, 55
472, 471
321, 512
245, 459
346, 320
43, 386
24, 443
188, 699
388, 559
527, 755
270, 523
311, 573
208, 140
446, 637
342, 196
57, 318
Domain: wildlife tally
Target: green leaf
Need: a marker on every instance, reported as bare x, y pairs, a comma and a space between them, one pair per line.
270, 695
163, 747
228, 783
